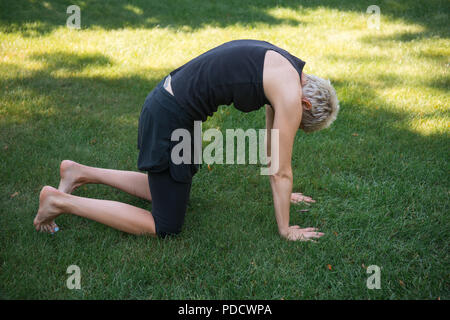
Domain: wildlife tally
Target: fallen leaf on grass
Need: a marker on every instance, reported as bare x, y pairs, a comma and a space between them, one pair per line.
14, 194
354, 134
329, 267
401, 283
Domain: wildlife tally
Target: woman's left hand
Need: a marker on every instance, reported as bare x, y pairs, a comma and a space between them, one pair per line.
299, 197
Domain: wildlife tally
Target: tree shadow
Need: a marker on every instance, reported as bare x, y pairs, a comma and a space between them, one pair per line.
432, 15
386, 78
60, 95
63, 61
402, 36
441, 83
34, 18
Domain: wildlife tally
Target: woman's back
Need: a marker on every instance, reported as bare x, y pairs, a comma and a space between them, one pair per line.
229, 73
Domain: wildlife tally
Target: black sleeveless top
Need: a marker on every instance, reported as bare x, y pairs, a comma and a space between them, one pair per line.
229, 73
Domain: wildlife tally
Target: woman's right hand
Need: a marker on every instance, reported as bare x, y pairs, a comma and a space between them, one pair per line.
294, 233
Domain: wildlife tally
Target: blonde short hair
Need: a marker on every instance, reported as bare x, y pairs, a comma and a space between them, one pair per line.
324, 102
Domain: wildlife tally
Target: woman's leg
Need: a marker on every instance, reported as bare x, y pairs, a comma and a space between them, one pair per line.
74, 175
120, 216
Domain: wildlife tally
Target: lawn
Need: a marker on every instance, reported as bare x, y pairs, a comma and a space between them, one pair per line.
380, 174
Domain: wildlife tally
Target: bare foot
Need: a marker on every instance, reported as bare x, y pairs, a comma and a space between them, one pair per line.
71, 177
48, 210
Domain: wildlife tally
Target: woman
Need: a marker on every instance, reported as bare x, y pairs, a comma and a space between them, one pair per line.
247, 73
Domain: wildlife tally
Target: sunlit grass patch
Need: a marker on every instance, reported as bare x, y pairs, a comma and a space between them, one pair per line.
426, 126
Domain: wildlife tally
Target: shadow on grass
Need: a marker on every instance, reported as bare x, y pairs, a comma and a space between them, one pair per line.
44, 81
34, 18
37, 18
385, 79
392, 40
75, 113
63, 61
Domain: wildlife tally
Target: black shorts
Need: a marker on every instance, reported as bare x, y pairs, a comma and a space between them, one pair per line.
170, 183
169, 202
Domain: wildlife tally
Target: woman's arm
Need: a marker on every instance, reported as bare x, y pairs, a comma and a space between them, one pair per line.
283, 89
281, 182
295, 197
269, 126
286, 119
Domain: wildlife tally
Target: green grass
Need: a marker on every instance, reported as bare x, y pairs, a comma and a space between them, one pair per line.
380, 175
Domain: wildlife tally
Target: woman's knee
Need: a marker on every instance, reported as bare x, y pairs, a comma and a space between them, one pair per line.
164, 230
169, 203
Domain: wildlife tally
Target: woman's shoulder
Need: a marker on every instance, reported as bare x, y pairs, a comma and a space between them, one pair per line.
281, 80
